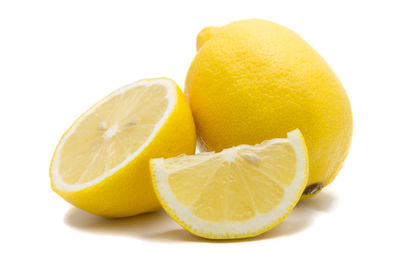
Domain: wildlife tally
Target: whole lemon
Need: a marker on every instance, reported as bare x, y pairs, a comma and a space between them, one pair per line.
253, 80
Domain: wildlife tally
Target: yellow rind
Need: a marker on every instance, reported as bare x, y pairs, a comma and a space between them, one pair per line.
190, 229
129, 190
264, 72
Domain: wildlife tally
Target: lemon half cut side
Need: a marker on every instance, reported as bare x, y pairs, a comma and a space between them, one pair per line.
239, 192
101, 162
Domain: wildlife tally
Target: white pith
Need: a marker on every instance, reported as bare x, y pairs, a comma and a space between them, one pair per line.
229, 228
171, 97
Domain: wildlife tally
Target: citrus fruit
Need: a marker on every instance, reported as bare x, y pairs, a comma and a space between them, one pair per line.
253, 80
239, 192
101, 163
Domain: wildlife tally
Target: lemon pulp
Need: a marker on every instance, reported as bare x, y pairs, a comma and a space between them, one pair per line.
110, 133
239, 192
101, 162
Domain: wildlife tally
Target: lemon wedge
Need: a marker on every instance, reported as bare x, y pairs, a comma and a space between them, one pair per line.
239, 192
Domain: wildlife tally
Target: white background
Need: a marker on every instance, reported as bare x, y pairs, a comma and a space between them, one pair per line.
57, 58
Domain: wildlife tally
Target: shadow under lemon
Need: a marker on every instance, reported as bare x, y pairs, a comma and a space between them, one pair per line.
158, 226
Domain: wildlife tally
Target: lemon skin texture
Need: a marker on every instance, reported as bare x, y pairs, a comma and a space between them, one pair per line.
253, 80
129, 190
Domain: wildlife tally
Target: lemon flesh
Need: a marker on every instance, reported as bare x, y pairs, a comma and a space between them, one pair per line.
110, 134
104, 143
239, 192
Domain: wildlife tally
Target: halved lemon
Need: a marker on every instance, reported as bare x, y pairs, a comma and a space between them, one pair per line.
101, 163
239, 192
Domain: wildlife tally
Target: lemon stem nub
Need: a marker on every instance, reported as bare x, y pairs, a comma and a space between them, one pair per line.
312, 189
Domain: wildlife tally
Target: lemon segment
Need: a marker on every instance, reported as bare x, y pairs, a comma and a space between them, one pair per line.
239, 192
100, 162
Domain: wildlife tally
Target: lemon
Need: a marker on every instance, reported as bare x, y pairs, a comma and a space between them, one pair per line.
239, 192
253, 80
101, 163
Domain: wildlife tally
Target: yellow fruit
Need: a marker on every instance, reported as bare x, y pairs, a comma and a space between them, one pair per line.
101, 162
253, 80
240, 192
